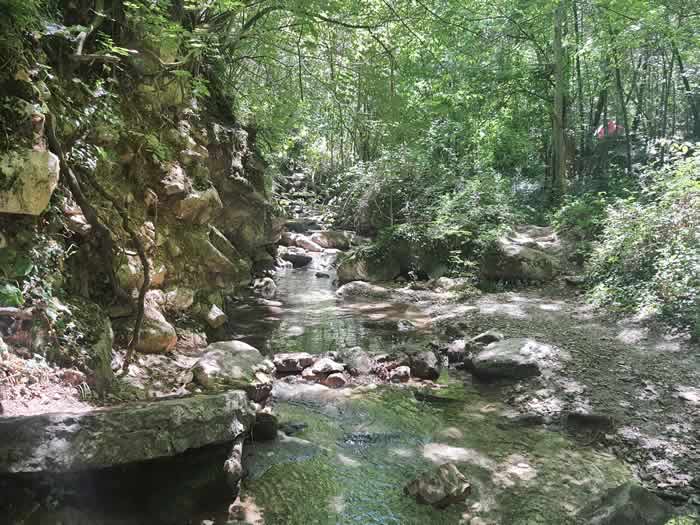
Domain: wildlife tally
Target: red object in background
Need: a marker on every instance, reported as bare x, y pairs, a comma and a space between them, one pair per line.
613, 129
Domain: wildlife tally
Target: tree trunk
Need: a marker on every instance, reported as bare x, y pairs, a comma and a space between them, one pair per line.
559, 113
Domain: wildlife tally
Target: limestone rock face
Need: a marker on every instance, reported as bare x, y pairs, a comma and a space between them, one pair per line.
30, 178
442, 487
157, 335
515, 359
227, 363
529, 253
63, 442
175, 183
199, 207
628, 504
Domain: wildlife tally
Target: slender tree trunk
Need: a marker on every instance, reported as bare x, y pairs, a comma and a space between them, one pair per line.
693, 102
559, 114
579, 89
623, 108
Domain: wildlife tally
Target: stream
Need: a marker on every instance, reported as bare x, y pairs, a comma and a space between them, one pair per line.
348, 453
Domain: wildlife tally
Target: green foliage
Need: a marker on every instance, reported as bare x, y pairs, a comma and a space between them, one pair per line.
10, 295
648, 256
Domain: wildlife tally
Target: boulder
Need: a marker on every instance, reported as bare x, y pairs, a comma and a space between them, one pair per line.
404, 325
457, 351
363, 289
227, 363
179, 299
514, 359
62, 442
216, 317
28, 178
357, 361
337, 380
292, 362
338, 240
199, 207
265, 287
529, 253
325, 366
322, 275
305, 242
628, 504
358, 269
400, 374
425, 365
297, 256
488, 337
441, 487
157, 335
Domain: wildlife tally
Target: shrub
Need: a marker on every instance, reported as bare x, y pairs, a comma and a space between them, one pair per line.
648, 256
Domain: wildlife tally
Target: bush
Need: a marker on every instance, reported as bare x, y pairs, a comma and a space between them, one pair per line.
581, 219
648, 256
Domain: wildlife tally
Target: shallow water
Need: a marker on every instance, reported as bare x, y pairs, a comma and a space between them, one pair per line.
352, 451
362, 447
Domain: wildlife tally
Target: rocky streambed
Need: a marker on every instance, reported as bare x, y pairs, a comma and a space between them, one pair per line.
404, 404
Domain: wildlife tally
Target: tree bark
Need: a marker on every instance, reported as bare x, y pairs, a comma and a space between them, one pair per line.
559, 114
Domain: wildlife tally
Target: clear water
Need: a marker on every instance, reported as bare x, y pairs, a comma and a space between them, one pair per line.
364, 446
356, 449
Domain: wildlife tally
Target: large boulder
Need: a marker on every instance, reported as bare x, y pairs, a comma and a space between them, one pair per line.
227, 363
628, 504
28, 179
305, 242
515, 359
63, 442
529, 253
339, 240
157, 335
442, 487
358, 269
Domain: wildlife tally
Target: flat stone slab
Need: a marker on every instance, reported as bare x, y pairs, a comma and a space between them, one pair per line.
63, 442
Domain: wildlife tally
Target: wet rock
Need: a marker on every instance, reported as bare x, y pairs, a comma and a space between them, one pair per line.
337, 380
302, 225
305, 242
61, 442
440, 488
628, 504
325, 365
358, 361
216, 317
227, 364
322, 275
29, 179
199, 207
514, 359
265, 287
293, 427
529, 253
157, 335
261, 387
485, 338
339, 240
425, 365
363, 289
292, 362
265, 427
297, 256
400, 374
